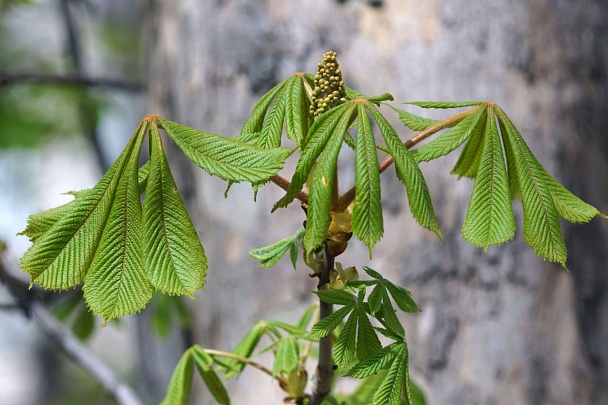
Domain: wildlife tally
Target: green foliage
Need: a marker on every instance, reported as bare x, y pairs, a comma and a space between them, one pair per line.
121, 252
412, 121
270, 255
178, 391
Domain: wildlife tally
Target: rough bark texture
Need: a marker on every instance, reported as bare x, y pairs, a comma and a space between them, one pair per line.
497, 328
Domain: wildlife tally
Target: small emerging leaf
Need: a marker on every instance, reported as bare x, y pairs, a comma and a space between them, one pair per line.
178, 391
270, 255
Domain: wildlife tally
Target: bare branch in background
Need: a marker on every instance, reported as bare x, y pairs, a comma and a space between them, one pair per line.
63, 338
8, 78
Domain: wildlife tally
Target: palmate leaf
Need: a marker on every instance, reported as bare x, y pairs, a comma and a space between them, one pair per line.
175, 259
409, 173
412, 121
178, 391
468, 161
543, 198
270, 255
245, 348
116, 283
367, 340
256, 118
376, 361
490, 219
326, 325
322, 184
450, 140
367, 220
227, 158
61, 256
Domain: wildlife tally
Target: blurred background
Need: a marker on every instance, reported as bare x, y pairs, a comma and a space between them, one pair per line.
76, 76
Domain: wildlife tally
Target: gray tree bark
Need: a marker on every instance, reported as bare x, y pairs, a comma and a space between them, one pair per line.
497, 328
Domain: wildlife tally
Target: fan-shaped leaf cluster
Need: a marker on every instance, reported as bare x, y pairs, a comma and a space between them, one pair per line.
490, 219
122, 251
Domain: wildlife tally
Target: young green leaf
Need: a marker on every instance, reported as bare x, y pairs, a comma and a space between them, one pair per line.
367, 340
376, 362
316, 141
256, 118
542, 230
403, 298
297, 117
227, 158
307, 316
175, 259
203, 363
270, 255
322, 183
338, 297
569, 206
245, 348
490, 219
444, 104
468, 161
413, 122
344, 350
272, 129
514, 187
39, 223
367, 210
449, 141
116, 283
286, 356
178, 391
390, 317
396, 382
60, 258
326, 325
409, 173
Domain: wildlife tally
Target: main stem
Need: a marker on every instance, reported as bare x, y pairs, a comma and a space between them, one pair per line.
325, 367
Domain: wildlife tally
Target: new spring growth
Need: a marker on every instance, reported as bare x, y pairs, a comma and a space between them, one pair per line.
329, 86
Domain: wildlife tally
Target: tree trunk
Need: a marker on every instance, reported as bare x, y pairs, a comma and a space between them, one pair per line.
497, 328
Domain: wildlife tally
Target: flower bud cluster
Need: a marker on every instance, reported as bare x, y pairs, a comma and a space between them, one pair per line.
329, 86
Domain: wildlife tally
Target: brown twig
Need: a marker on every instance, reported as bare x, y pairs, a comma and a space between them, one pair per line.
284, 184
63, 338
348, 197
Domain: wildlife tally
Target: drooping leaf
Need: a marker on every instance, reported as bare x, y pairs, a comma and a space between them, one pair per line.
490, 219
320, 134
116, 283
39, 223
409, 173
367, 220
227, 158
449, 141
270, 255
390, 317
245, 348
569, 206
307, 316
542, 230
376, 362
175, 259
61, 257
352, 94
287, 355
444, 104
367, 340
412, 121
322, 183
256, 118
393, 386
344, 349
403, 298
203, 363
514, 187
178, 391
468, 161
